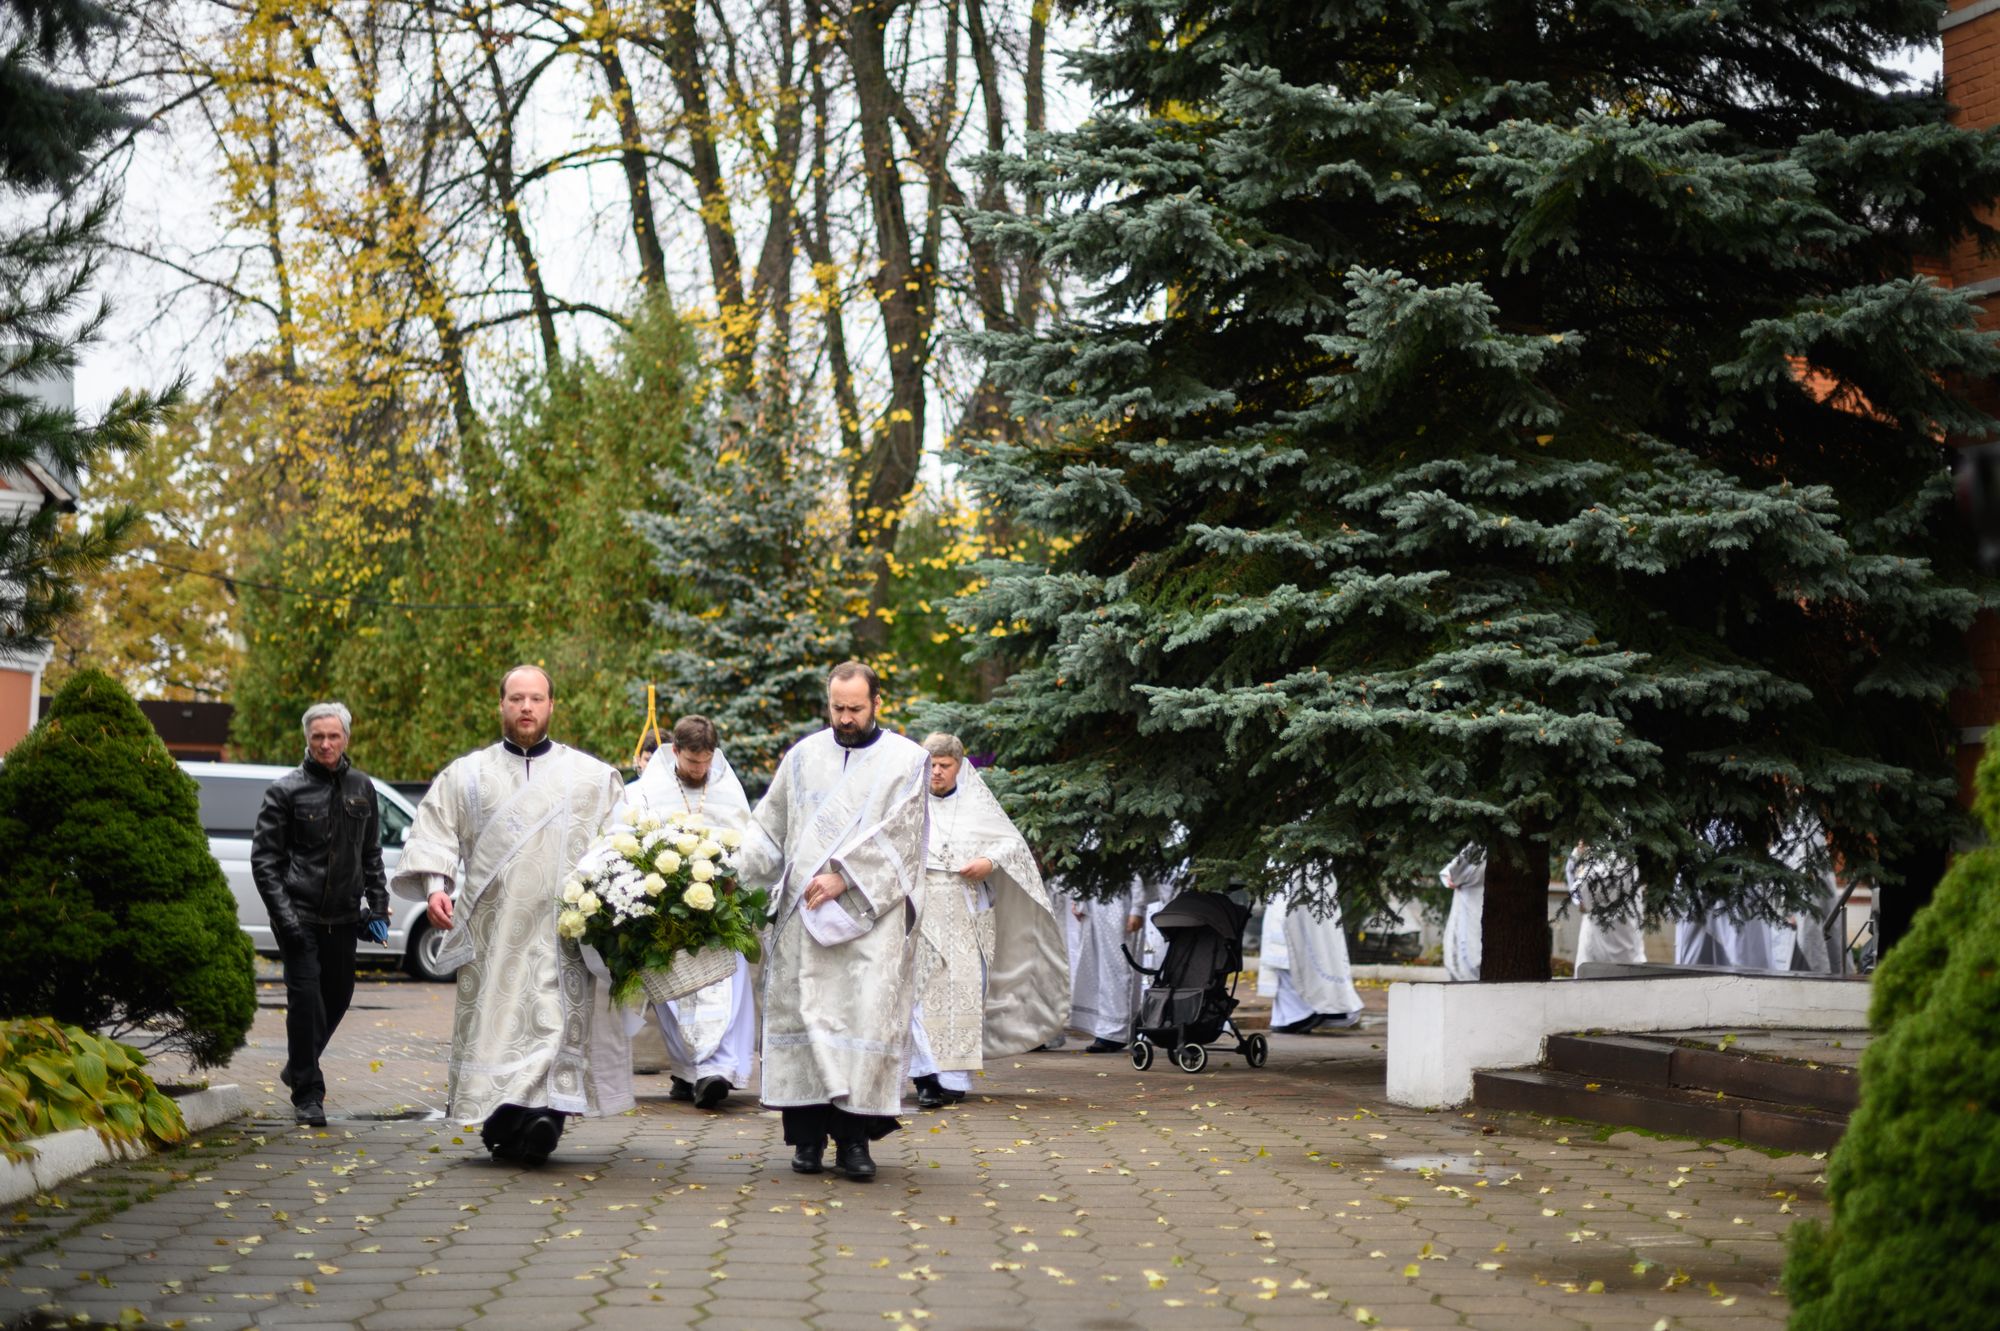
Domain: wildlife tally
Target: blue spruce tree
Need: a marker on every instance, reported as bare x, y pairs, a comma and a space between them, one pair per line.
1503, 422
765, 601
53, 124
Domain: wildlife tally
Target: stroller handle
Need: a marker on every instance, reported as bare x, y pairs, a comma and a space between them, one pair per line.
1133, 961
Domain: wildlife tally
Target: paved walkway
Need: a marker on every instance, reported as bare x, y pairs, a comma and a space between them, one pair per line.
1068, 1192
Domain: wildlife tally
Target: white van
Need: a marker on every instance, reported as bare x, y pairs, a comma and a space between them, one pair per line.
231, 795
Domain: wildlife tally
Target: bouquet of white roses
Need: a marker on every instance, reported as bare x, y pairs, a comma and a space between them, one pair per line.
658, 898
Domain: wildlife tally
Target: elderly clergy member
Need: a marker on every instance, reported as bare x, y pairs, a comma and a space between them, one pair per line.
839, 842
711, 1035
992, 963
532, 1039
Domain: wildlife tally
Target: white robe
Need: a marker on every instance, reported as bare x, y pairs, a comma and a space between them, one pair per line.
837, 988
1605, 888
532, 1025
1104, 989
713, 1031
1466, 876
1804, 848
1303, 967
992, 967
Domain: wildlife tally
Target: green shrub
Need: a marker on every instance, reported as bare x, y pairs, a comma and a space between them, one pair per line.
113, 915
54, 1078
1915, 1183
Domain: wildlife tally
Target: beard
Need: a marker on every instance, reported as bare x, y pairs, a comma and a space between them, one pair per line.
691, 782
850, 733
526, 732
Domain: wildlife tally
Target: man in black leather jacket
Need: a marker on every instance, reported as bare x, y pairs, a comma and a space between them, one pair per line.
316, 854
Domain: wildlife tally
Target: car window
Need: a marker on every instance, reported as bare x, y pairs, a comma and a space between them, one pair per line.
229, 804
395, 822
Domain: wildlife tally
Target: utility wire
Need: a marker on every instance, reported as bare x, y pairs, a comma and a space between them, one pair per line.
234, 581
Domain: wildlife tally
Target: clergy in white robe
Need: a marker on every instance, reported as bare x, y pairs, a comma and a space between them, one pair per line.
839, 842
1605, 888
1804, 847
1104, 988
533, 1038
1466, 877
992, 963
711, 1034
1724, 937
1302, 966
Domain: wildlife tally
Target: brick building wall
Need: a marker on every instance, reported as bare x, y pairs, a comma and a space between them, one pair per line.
1971, 33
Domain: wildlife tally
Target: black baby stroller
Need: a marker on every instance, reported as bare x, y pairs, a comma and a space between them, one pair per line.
1193, 992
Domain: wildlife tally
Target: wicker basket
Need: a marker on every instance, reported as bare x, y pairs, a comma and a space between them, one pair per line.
688, 972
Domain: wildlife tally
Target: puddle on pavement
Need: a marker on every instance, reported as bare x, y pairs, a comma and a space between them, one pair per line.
1477, 1166
395, 1116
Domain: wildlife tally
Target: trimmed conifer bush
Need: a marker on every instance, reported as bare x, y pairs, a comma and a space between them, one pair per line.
113, 914
1913, 1184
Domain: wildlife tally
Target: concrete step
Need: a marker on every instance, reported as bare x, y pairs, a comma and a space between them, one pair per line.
1658, 1107
1649, 1060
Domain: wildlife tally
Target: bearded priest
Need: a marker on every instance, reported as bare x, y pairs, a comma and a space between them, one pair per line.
532, 1038
711, 1035
992, 961
838, 840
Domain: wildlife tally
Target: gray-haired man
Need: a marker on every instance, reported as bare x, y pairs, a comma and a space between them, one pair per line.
317, 858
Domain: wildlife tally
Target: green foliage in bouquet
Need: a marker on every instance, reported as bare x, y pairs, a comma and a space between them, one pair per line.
54, 1078
1914, 1180
113, 914
662, 886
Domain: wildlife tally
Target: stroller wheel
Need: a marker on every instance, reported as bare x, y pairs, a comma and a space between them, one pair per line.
1255, 1050
1142, 1054
1191, 1057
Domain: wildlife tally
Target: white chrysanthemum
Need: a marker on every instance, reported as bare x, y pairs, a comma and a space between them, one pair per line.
667, 861
703, 870
699, 897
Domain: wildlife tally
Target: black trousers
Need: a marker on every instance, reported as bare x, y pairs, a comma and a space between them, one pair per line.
811, 1125
319, 984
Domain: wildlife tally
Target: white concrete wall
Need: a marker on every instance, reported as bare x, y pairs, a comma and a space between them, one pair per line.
1439, 1034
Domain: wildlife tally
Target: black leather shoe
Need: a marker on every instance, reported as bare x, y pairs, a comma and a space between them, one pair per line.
679, 1090
310, 1114
499, 1131
710, 1092
948, 1097
852, 1159
930, 1095
809, 1159
1104, 1046
538, 1139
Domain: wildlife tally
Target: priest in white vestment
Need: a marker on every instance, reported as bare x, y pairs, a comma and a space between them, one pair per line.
1605, 888
1719, 937
1302, 965
1466, 877
992, 963
1104, 988
838, 840
710, 1035
533, 1038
